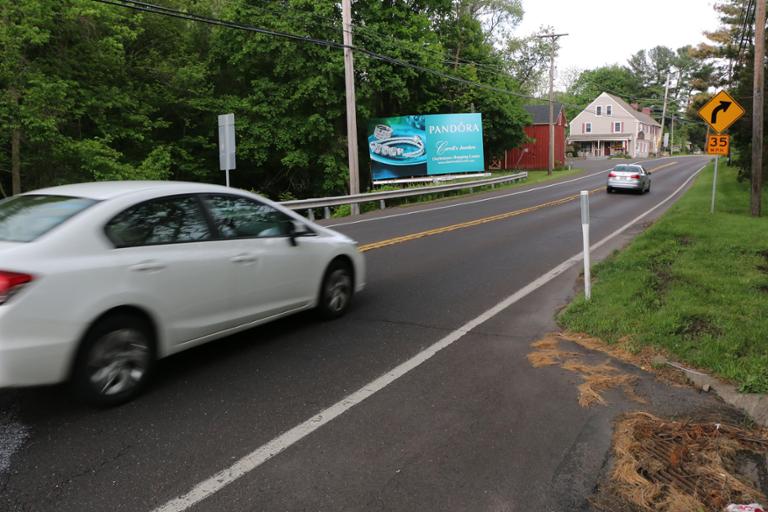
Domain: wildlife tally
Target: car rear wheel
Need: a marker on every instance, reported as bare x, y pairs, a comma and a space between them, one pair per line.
336, 291
608, 190
115, 361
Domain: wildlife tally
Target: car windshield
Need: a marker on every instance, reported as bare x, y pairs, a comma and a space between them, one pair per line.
25, 218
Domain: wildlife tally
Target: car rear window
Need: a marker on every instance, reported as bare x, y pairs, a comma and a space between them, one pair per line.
626, 168
25, 218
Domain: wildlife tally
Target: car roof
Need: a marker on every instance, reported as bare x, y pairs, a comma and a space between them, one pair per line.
103, 190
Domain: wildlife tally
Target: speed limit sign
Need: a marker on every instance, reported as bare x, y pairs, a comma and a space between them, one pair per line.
718, 144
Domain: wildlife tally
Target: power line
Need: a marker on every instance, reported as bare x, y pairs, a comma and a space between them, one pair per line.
165, 11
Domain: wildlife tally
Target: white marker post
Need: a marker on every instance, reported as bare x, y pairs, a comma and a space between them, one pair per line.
227, 143
714, 187
585, 236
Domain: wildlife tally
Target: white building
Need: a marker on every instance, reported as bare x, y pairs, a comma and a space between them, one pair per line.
609, 126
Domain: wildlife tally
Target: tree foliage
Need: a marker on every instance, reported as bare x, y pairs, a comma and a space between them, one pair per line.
96, 92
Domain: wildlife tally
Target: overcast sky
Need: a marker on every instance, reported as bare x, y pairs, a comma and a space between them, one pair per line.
609, 31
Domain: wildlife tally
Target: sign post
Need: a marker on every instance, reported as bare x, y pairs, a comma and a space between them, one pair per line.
585, 236
716, 145
227, 143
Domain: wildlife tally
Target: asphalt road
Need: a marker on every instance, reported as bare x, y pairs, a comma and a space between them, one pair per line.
474, 427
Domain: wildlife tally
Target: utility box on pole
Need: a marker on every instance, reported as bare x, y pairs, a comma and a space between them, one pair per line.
227, 143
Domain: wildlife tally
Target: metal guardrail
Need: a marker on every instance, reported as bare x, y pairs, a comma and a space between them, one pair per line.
382, 197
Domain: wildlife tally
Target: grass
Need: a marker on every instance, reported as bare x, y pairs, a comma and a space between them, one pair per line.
533, 177
694, 284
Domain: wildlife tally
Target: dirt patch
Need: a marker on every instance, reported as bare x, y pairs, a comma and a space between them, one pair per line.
646, 358
696, 326
763, 288
662, 277
671, 466
684, 241
596, 378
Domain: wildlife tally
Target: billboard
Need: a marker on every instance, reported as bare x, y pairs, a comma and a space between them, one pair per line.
407, 146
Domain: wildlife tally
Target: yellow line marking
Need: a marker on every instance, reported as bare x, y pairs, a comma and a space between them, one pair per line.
471, 223
651, 171
453, 227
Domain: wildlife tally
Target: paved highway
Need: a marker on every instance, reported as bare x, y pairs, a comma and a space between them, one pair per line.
420, 399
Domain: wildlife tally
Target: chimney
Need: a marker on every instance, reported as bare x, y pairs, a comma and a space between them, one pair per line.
635, 106
647, 110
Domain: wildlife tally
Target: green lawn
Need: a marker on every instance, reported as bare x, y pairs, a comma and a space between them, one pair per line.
695, 284
533, 177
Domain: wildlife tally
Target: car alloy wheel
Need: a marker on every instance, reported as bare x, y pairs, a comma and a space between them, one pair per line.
115, 360
336, 292
118, 361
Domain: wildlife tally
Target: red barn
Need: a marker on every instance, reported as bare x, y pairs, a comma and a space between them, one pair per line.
535, 153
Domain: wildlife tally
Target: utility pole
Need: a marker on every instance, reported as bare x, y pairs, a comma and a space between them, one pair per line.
664, 113
672, 136
757, 109
349, 81
551, 160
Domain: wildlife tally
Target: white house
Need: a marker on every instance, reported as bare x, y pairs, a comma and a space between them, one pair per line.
609, 125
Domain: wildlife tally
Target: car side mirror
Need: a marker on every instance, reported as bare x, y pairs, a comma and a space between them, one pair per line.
290, 230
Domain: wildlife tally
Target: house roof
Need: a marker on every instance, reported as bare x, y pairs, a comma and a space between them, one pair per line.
640, 116
540, 113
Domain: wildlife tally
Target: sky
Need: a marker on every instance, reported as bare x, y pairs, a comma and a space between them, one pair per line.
604, 32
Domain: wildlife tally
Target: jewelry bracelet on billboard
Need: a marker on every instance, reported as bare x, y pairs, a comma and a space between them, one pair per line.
386, 147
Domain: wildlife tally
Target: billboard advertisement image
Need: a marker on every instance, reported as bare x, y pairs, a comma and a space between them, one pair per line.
425, 145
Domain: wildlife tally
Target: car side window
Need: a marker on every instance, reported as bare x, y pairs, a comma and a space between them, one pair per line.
241, 217
167, 220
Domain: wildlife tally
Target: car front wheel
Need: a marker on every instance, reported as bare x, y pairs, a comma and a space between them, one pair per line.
336, 290
115, 361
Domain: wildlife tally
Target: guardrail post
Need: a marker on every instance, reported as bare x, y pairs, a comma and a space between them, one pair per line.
327, 212
382, 204
311, 214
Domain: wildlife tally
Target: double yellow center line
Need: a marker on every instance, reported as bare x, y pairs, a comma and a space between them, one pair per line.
453, 227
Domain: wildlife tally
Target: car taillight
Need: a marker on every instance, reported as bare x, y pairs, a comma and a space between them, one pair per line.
635, 176
611, 174
10, 283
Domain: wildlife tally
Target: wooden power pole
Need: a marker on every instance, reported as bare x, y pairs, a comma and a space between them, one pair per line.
757, 109
349, 80
551, 160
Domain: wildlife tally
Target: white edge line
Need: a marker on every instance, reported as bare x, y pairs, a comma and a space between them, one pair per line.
476, 201
277, 445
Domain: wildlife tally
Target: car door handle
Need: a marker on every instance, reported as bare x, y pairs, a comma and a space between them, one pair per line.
244, 258
147, 266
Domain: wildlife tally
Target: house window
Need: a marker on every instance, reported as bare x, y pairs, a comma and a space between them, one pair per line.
609, 110
599, 111
617, 127
588, 128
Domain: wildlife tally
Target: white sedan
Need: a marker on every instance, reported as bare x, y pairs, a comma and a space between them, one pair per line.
99, 280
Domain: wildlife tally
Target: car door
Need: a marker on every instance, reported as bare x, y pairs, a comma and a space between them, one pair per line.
173, 265
272, 274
